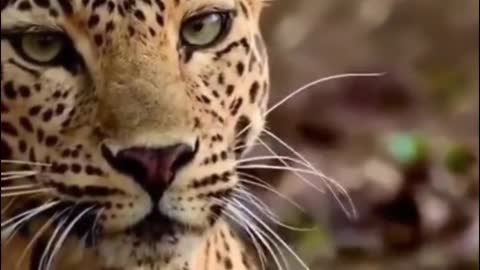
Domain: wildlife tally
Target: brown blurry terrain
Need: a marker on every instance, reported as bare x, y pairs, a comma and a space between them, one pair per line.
404, 145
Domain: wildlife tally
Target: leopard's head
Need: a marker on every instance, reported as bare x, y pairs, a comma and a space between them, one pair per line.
132, 116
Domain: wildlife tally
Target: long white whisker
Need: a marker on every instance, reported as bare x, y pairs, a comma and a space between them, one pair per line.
18, 176
45, 254
327, 180
265, 238
8, 205
20, 162
309, 86
94, 226
247, 229
8, 229
305, 163
256, 202
281, 168
272, 233
268, 187
254, 230
65, 233
19, 187
319, 81
21, 193
244, 146
9, 173
26, 213
37, 235
260, 158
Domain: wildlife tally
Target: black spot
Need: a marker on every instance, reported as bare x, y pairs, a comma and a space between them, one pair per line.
76, 168
24, 91
240, 68
47, 115
6, 151
93, 21
35, 110
230, 89
139, 15
40, 135
60, 109
97, 3
9, 90
8, 128
109, 26
66, 7
22, 146
53, 12
244, 9
42, 3
24, 6
159, 19
241, 130
26, 124
98, 39
51, 140
254, 91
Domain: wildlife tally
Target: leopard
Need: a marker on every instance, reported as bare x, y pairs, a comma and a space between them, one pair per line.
122, 126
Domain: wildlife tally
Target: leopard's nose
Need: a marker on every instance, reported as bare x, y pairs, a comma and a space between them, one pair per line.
153, 168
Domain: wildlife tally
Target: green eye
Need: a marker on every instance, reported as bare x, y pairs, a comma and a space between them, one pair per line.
42, 47
206, 29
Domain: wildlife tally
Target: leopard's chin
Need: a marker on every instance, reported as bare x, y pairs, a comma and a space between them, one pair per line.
155, 240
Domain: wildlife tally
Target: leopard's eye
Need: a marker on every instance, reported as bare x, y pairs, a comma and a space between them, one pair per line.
42, 47
205, 30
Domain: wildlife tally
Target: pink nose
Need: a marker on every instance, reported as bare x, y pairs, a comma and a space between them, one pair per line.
153, 168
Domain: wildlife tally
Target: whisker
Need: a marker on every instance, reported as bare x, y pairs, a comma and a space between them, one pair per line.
29, 192
25, 213
309, 86
265, 238
42, 263
272, 233
281, 168
270, 188
265, 209
19, 187
8, 205
327, 180
19, 176
244, 226
9, 173
255, 230
270, 149
20, 162
261, 255
8, 229
65, 233
37, 235
261, 158
319, 81
243, 146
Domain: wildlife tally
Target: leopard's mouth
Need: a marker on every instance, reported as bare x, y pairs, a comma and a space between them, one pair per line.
154, 227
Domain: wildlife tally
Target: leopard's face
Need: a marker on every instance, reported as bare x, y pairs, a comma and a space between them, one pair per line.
141, 109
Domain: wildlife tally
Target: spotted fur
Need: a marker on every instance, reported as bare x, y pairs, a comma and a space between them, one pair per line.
128, 82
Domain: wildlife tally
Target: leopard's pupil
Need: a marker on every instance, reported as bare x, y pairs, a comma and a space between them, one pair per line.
198, 27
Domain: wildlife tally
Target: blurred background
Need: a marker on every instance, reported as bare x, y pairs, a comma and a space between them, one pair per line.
404, 145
